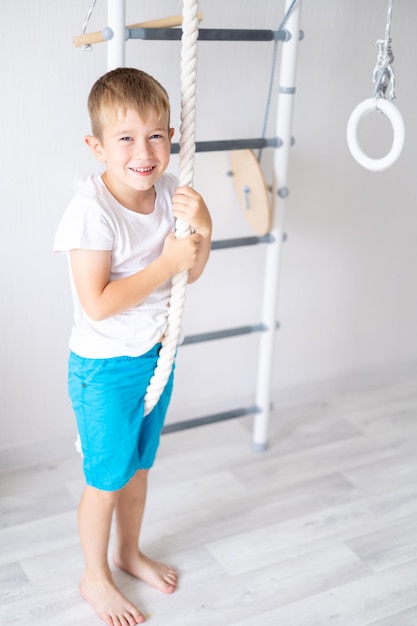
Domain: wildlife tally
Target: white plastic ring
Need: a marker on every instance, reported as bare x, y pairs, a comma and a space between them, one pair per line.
394, 116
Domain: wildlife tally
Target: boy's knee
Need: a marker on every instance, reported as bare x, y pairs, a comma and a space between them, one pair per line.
104, 496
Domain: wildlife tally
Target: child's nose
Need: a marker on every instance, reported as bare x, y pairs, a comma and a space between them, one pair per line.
143, 148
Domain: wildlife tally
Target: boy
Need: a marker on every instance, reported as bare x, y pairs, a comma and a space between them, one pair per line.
118, 231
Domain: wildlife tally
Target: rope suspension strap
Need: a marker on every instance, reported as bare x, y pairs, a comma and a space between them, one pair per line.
272, 73
87, 47
383, 77
186, 175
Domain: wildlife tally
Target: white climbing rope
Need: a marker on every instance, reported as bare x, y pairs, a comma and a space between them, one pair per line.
186, 174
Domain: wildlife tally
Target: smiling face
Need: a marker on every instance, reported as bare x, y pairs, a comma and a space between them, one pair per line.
136, 152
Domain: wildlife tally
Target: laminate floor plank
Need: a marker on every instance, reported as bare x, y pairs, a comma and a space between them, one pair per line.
39, 536
403, 618
358, 603
388, 547
266, 544
381, 476
32, 505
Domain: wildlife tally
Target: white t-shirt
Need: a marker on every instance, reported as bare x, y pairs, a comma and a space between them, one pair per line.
94, 220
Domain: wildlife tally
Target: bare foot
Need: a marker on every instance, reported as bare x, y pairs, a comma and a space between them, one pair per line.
110, 605
158, 575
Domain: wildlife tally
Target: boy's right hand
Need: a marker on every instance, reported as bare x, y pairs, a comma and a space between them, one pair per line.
181, 253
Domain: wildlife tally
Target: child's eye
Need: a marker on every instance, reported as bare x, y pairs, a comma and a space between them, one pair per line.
156, 136
125, 138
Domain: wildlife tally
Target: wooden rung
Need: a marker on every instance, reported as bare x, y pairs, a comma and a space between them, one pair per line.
163, 22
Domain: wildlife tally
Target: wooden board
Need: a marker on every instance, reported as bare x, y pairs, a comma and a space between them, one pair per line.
251, 190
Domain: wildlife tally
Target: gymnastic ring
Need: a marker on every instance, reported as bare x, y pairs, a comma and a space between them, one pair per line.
394, 116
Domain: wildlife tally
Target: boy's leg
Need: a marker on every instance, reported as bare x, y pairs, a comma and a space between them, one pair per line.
97, 586
129, 510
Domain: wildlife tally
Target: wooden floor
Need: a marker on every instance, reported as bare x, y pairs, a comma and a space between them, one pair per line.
321, 529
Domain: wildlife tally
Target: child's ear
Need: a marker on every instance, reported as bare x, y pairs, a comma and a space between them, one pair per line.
171, 133
95, 146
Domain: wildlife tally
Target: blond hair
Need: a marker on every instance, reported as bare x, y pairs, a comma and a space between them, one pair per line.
121, 89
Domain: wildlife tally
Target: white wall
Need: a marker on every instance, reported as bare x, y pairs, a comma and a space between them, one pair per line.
348, 304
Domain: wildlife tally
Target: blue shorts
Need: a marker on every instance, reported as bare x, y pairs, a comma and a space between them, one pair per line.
107, 396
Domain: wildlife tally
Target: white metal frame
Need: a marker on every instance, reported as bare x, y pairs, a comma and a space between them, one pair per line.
116, 58
273, 264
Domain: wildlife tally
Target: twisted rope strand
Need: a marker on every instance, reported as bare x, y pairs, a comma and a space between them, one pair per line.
186, 174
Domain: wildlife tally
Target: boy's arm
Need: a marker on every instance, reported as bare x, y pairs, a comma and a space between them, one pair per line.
189, 206
102, 298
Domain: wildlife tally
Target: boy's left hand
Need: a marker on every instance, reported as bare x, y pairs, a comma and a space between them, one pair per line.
189, 206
